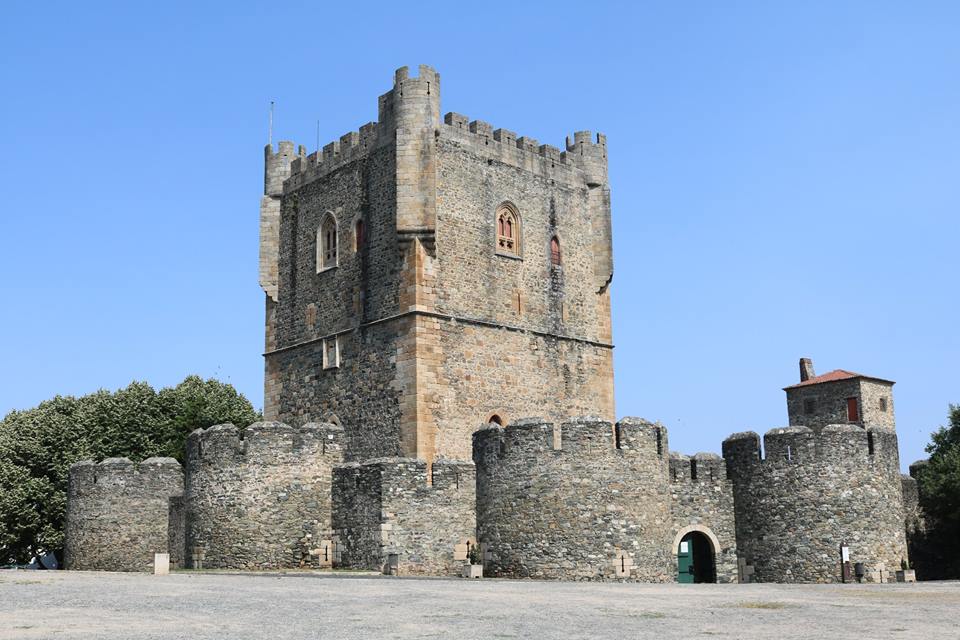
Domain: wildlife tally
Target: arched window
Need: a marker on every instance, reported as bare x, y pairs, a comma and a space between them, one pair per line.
327, 243
508, 230
495, 419
358, 235
554, 251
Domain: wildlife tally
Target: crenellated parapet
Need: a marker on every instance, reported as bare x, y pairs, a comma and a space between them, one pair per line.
587, 501
583, 161
265, 443
277, 477
805, 492
701, 467
399, 512
117, 513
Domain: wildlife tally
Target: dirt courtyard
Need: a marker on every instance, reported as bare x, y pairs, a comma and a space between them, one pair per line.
43, 604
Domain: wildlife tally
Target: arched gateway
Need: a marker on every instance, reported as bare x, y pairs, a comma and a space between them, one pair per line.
696, 547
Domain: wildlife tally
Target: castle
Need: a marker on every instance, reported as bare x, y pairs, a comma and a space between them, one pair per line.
429, 284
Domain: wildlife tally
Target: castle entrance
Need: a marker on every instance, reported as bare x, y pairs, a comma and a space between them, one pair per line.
695, 559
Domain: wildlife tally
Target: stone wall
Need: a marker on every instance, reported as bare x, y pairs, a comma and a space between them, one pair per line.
260, 499
701, 499
426, 303
812, 492
596, 508
117, 513
830, 403
386, 507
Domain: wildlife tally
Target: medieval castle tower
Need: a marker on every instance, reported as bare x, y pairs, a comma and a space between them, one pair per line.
430, 285
426, 276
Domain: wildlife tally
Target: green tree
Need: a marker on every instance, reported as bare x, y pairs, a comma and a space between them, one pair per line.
37, 447
939, 486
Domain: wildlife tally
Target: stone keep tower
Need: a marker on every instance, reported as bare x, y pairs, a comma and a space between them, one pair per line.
426, 276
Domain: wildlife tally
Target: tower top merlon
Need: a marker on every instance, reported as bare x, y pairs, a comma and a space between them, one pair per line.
413, 102
276, 166
590, 154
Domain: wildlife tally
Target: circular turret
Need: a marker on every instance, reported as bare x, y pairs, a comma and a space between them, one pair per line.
812, 492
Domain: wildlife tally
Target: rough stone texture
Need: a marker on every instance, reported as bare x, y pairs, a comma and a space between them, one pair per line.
117, 513
386, 506
177, 532
597, 508
830, 402
262, 501
701, 499
426, 310
812, 492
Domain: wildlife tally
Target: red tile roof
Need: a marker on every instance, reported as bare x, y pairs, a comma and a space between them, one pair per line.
833, 376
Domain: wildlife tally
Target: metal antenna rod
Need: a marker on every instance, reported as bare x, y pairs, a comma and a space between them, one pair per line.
318, 138
270, 131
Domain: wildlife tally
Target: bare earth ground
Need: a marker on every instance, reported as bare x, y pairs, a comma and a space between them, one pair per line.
42, 604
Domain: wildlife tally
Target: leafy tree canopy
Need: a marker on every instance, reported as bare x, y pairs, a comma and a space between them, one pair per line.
939, 484
37, 447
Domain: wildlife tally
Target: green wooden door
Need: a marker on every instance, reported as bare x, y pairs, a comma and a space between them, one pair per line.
685, 561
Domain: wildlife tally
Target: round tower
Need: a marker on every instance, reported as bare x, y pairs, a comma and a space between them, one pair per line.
596, 507
262, 500
807, 493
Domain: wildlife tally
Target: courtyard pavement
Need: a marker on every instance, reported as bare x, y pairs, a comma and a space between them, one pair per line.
198, 606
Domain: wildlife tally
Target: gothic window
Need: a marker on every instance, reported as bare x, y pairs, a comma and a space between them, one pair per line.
554, 251
508, 230
327, 243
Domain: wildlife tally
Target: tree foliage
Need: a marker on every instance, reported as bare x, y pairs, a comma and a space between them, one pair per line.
37, 447
939, 487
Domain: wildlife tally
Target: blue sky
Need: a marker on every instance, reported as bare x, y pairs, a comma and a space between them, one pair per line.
785, 178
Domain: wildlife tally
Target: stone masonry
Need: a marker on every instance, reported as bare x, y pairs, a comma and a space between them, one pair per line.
260, 501
429, 282
117, 513
387, 507
596, 507
701, 499
436, 330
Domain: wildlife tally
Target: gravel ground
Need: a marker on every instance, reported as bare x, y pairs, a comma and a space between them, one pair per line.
42, 604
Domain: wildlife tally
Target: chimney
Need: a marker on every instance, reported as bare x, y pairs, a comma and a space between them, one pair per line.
806, 369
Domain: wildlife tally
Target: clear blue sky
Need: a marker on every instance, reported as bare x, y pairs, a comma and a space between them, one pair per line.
785, 176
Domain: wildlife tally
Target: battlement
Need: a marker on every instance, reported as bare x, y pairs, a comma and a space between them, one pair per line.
583, 151
123, 471
701, 467
799, 445
585, 437
264, 443
278, 165
412, 473
351, 146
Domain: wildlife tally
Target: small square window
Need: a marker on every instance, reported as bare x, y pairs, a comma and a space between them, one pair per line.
809, 406
331, 353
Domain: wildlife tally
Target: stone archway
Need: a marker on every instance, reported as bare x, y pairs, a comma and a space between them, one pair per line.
695, 549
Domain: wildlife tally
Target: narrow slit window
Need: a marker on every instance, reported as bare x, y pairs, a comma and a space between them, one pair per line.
555, 252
